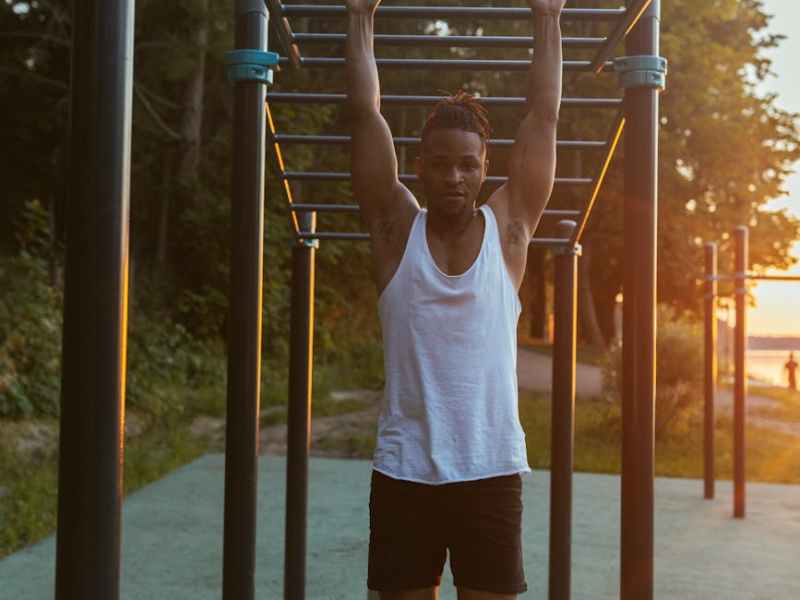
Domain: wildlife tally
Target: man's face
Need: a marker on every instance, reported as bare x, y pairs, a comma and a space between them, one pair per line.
452, 168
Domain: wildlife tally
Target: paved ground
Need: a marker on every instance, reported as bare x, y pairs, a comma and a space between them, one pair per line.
172, 532
535, 372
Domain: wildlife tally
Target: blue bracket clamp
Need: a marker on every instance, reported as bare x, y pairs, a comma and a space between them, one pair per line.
250, 65
641, 71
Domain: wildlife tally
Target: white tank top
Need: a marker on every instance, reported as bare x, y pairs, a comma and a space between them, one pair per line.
450, 407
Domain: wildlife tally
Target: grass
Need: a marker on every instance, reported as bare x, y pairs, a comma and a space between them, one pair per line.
771, 456
789, 403
28, 511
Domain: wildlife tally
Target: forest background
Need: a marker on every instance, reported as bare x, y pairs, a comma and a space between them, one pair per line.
725, 152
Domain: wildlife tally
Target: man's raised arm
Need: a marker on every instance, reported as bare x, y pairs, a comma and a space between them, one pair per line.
532, 164
376, 186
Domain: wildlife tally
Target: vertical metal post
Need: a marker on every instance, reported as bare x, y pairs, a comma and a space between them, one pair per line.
301, 364
740, 382
563, 415
91, 441
639, 310
710, 303
245, 310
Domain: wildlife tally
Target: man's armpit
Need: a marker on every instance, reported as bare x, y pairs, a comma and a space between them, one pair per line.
516, 236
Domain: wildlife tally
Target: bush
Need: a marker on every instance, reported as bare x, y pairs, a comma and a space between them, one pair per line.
30, 339
679, 373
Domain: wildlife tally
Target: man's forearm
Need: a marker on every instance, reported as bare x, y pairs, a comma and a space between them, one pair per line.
363, 88
544, 81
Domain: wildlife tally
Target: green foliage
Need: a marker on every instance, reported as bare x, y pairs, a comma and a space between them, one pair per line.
30, 339
167, 366
679, 373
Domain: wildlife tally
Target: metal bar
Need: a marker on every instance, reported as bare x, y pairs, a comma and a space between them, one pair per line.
795, 278
301, 365
710, 377
445, 64
285, 187
624, 25
285, 138
92, 424
639, 327
354, 208
437, 12
408, 178
516, 101
741, 250
245, 301
563, 416
284, 31
355, 236
611, 145
450, 41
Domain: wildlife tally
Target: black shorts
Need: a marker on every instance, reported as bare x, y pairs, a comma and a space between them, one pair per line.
413, 525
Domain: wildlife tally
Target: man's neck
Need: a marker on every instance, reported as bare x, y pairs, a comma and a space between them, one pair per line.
451, 228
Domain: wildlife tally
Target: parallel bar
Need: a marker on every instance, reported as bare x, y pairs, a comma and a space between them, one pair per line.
445, 64
301, 353
92, 424
563, 416
611, 145
285, 138
354, 208
285, 35
245, 301
710, 370
323, 235
407, 178
741, 249
639, 316
621, 29
440, 12
450, 41
795, 278
285, 187
324, 98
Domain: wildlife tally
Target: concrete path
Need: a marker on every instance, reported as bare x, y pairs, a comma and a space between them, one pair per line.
172, 539
535, 373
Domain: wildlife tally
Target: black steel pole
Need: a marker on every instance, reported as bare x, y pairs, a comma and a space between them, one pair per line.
639, 310
740, 381
91, 442
563, 411
710, 303
245, 309
301, 365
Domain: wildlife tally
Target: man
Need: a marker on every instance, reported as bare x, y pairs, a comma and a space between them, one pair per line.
450, 448
791, 368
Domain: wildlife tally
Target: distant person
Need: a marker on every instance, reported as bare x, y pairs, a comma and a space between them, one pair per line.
791, 368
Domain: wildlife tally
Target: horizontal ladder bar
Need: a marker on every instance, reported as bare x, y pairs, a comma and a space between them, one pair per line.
441, 64
288, 138
354, 208
363, 237
438, 12
322, 98
753, 277
331, 176
450, 41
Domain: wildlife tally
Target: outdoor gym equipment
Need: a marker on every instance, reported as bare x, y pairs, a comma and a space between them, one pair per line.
741, 237
92, 422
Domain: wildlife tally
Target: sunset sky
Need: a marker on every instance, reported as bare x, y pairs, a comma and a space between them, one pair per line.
777, 311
